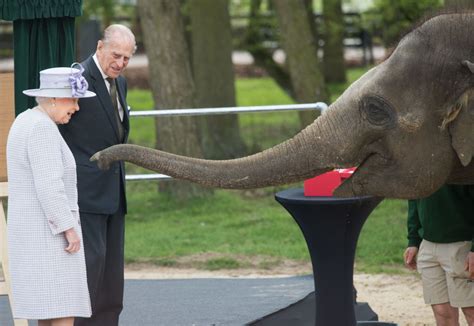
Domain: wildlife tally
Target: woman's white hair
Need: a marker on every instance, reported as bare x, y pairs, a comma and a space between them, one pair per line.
41, 100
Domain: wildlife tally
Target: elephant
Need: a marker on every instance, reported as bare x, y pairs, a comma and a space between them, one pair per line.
407, 125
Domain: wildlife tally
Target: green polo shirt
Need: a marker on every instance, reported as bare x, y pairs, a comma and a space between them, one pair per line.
445, 216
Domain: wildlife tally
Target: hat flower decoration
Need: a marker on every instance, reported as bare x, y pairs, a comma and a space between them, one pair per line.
79, 84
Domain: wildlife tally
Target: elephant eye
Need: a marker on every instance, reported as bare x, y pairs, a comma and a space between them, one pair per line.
377, 111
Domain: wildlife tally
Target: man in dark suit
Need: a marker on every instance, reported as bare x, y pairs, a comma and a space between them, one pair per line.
101, 122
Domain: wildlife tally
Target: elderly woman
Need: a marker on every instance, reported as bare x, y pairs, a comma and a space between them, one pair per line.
47, 265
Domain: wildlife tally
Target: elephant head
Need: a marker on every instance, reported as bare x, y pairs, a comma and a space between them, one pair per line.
407, 125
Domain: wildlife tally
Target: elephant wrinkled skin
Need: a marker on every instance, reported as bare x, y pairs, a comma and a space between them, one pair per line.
407, 125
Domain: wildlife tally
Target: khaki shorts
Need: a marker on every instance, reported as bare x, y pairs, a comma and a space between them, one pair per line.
441, 266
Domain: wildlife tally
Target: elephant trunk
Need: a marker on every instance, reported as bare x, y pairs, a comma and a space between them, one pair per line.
318, 148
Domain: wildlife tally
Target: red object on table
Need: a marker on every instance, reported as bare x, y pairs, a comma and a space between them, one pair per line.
324, 184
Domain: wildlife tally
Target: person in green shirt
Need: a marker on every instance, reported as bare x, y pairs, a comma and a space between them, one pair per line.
441, 247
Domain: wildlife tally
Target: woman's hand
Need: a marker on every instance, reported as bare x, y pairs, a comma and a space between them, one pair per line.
74, 242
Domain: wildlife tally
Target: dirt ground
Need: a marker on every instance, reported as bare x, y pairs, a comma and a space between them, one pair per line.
395, 298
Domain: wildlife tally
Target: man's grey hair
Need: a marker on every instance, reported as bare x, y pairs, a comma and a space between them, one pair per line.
121, 30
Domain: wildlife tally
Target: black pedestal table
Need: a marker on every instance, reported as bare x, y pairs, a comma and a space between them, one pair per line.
331, 227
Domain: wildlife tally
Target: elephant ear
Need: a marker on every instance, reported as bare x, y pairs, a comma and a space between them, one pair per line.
460, 121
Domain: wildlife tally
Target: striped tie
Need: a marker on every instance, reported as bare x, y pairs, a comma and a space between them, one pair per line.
113, 97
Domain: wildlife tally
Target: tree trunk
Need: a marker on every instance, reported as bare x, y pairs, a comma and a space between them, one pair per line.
262, 56
171, 83
334, 66
312, 22
214, 77
301, 55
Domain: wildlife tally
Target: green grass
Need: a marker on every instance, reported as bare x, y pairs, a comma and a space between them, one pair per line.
229, 223
265, 129
142, 130
383, 238
237, 224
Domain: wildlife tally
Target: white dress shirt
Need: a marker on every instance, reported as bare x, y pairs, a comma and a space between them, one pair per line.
119, 105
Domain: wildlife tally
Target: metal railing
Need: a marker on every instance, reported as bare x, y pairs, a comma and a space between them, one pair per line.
321, 106
228, 110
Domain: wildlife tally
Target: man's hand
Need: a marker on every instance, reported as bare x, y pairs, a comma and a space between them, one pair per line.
74, 242
410, 257
469, 265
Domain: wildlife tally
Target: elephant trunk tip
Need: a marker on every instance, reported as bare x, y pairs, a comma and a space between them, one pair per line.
102, 163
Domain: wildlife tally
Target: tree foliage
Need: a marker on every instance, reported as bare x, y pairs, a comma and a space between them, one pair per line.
103, 9
393, 18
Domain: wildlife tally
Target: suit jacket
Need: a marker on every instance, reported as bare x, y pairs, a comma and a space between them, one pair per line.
90, 130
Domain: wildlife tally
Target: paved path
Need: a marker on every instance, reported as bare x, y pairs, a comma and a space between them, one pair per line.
201, 302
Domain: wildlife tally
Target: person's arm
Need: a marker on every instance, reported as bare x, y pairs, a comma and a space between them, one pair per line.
413, 224
414, 239
46, 163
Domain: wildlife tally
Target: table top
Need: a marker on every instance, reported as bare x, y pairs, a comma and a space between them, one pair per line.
296, 195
